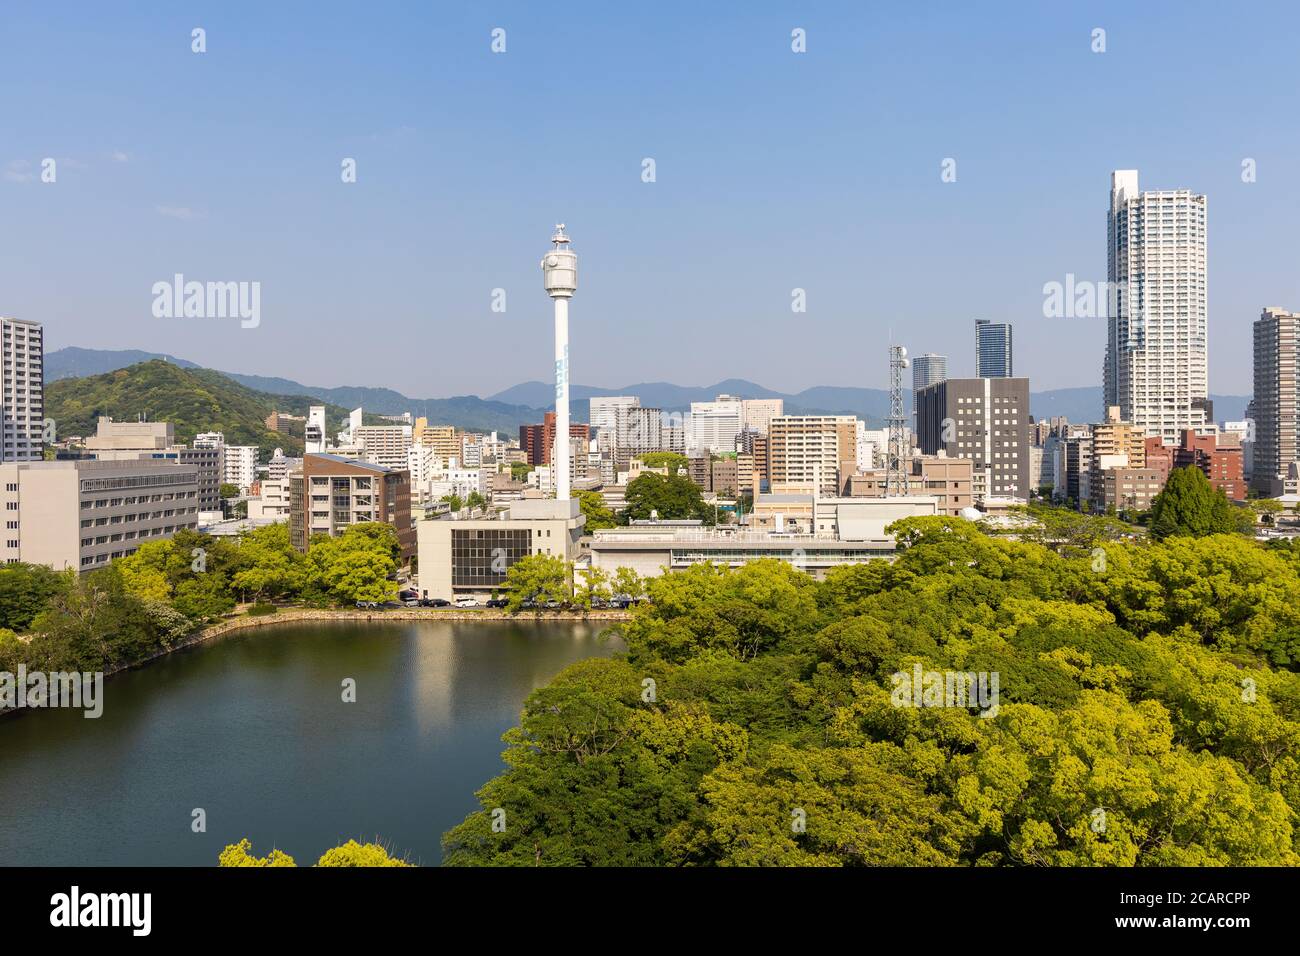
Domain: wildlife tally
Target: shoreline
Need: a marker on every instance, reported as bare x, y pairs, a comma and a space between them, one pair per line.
292, 615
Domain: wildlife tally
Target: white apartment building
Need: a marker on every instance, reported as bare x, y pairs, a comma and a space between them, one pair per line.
714, 426
1157, 356
85, 513
271, 504
609, 417
22, 390
241, 466
384, 445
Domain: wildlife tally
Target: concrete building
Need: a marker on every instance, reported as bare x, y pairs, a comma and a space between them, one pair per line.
117, 441
384, 445
756, 414
461, 558
949, 480
332, 493
807, 452
993, 353
84, 513
271, 504
985, 420
538, 441
1127, 489
315, 431
714, 426
241, 466
285, 423
1157, 357
1222, 466
22, 391
1276, 400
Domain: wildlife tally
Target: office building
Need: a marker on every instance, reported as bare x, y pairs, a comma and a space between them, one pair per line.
332, 493
461, 558
1277, 400
993, 357
1157, 359
713, 426
117, 441
985, 420
949, 480
314, 432
84, 513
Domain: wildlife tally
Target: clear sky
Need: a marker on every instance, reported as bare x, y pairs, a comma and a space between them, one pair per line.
774, 171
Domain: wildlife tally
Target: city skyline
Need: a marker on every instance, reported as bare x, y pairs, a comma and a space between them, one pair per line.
447, 199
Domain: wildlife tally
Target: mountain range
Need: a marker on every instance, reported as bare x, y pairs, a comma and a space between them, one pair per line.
506, 410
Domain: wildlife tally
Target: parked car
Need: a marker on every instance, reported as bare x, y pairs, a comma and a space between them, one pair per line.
554, 605
368, 605
528, 604
411, 602
466, 602
435, 602
390, 605
498, 602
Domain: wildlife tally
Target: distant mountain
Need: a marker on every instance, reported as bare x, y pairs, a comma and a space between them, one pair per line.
76, 363
524, 403
193, 399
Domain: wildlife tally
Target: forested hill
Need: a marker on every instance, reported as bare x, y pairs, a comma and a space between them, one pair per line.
193, 399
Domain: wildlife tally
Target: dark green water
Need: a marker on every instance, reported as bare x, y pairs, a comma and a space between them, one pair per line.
252, 728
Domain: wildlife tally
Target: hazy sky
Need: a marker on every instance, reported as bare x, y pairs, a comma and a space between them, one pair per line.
774, 171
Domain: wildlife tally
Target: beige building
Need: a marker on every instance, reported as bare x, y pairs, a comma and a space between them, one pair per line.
950, 480
84, 513
22, 391
1277, 399
471, 558
1124, 488
115, 441
807, 451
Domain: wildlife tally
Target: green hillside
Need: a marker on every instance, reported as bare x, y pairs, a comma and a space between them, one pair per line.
193, 399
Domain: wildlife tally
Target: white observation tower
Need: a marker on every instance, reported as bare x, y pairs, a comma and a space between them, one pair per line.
560, 274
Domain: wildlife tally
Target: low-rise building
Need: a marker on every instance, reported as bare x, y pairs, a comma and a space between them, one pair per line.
463, 558
85, 513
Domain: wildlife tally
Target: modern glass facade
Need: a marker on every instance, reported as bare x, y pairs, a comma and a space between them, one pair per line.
480, 557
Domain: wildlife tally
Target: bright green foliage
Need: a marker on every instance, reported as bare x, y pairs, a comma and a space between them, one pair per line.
539, 577
355, 565
519, 470
353, 853
236, 854
1190, 505
1148, 715
674, 496
594, 510
665, 459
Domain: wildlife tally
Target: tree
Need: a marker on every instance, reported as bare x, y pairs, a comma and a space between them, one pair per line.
594, 510
227, 490
519, 470
540, 578
26, 590
475, 500
1190, 505
670, 497
453, 501
665, 459
350, 854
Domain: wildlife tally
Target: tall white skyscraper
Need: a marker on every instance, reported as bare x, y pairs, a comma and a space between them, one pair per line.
1157, 358
22, 400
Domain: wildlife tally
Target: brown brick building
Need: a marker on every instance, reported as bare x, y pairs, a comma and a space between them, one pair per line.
538, 441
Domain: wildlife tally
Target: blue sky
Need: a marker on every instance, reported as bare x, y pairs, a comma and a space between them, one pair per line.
774, 171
